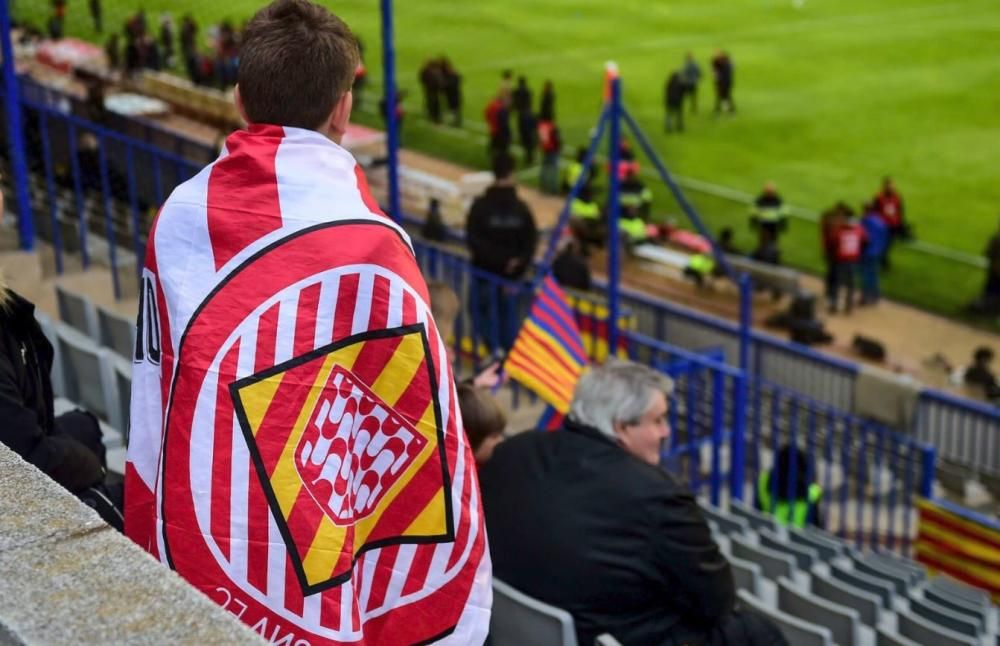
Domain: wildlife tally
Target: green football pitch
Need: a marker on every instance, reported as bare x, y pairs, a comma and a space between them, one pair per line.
832, 95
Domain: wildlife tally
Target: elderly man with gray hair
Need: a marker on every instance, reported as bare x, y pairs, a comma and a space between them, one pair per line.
585, 519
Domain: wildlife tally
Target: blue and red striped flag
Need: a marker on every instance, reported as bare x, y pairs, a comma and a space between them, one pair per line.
548, 355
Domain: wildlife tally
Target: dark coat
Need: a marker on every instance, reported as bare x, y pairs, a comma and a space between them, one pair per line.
501, 227
577, 522
28, 426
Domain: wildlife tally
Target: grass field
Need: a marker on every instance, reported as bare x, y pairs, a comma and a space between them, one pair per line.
832, 95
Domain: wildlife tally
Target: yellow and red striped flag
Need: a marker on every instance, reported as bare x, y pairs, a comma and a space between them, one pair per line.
548, 355
961, 544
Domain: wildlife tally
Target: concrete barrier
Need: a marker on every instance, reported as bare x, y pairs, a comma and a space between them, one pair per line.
68, 578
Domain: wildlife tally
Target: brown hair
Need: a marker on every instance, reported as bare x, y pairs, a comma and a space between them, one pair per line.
481, 414
444, 306
297, 60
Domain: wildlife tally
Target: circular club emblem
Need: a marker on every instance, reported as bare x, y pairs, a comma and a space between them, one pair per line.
314, 482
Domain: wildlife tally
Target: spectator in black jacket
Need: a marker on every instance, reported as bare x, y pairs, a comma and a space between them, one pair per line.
585, 519
67, 448
502, 235
673, 99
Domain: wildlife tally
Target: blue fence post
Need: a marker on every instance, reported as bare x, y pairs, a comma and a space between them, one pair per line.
614, 239
50, 189
737, 443
391, 123
15, 134
928, 465
718, 420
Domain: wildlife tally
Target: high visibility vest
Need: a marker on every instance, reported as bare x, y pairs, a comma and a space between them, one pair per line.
635, 199
701, 263
770, 214
798, 511
585, 210
634, 228
572, 173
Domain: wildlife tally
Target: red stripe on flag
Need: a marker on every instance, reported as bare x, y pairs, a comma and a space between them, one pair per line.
462, 532
948, 548
243, 203
366, 193
573, 344
409, 308
551, 354
535, 369
961, 574
294, 601
948, 522
222, 451
378, 316
257, 536
278, 422
373, 358
419, 567
267, 338
347, 297
305, 320
384, 568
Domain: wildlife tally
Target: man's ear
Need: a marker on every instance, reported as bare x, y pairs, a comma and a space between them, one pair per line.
340, 116
238, 100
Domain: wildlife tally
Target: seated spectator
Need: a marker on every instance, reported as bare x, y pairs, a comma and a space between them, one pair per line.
570, 266
980, 375
67, 448
799, 510
584, 518
483, 419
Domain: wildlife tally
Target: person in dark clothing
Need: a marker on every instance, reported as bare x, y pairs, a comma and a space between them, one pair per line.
113, 52
432, 84
988, 302
980, 375
570, 266
726, 244
547, 109
452, 91
848, 246
769, 211
497, 115
434, 228
691, 73
67, 448
96, 14
786, 490
167, 40
633, 553
722, 67
189, 48
526, 121
502, 236
673, 98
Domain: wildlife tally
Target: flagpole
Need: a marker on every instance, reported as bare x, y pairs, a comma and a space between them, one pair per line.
391, 123
614, 262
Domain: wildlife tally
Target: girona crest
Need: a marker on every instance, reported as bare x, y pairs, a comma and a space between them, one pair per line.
333, 453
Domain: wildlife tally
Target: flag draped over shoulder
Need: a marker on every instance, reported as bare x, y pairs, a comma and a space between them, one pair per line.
965, 548
296, 451
548, 356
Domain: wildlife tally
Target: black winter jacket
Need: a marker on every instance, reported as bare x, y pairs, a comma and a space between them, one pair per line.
501, 227
27, 424
575, 521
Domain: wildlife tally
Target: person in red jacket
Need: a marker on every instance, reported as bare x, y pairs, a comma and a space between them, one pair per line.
497, 115
889, 204
848, 240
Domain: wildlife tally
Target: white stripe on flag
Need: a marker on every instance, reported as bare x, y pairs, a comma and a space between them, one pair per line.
362, 308
329, 290
240, 467
284, 347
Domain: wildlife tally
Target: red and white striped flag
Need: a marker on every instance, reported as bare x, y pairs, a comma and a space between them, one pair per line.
296, 450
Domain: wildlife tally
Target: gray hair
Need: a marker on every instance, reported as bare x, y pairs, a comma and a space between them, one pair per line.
616, 392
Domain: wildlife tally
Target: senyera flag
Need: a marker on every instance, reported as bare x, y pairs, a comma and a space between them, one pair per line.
548, 355
296, 451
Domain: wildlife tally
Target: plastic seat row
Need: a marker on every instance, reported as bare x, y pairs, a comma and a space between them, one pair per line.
104, 327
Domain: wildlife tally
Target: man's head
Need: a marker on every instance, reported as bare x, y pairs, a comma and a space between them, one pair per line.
297, 66
983, 356
627, 402
483, 419
503, 167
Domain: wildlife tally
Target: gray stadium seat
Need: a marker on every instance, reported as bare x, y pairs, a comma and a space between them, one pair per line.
804, 556
957, 604
883, 589
122, 376
945, 617
825, 545
842, 621
899, 580
77, 311
795, 630
923, 631
886, 637
868, 604
49, 330
772, 563
519, 620
917, 571
727, 523
756, 519
745, 573
947, 585
89, 380
116, 332
606, 640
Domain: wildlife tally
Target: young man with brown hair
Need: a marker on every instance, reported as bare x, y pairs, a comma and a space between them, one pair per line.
296, 452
